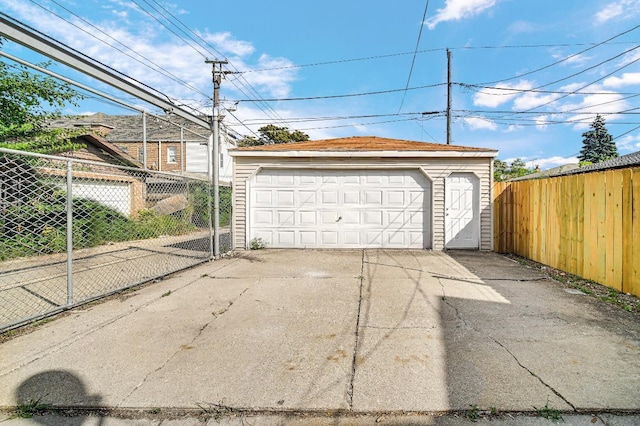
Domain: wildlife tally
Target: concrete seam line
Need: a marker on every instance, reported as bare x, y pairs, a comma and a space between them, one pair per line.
357, 337
558, 394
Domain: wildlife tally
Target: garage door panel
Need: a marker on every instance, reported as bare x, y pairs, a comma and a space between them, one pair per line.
286, 218
396, 198
351, 217
263, 217
329, 197
307, 218
351, 197
333, 208
286, 238
308, 238
264, 198
329, 238
373, 198
284, 198
307, 197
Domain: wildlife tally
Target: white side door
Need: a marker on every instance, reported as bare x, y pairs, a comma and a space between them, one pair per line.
462, 218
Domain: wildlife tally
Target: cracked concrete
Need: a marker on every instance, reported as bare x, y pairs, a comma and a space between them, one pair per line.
351, 332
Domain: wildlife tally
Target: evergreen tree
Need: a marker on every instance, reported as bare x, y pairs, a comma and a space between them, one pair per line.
597, 143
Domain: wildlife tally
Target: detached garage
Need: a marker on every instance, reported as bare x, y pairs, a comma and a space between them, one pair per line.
362, 192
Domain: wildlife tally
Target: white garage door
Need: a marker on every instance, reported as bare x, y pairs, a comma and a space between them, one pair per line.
341, 209
116, 195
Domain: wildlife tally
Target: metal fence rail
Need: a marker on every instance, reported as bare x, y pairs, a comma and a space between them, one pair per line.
72, 231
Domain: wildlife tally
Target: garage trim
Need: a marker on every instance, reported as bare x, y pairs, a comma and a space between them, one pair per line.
251, 178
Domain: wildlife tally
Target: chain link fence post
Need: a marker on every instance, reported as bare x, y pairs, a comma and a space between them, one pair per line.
69, 239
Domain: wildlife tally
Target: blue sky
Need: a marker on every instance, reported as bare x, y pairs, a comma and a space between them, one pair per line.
529, 76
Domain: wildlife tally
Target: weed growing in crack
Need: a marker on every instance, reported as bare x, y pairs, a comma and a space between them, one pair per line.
216, 411
166, 294
473, 413
548, 412
31, 408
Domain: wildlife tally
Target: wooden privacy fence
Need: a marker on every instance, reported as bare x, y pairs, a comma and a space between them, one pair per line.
586, 224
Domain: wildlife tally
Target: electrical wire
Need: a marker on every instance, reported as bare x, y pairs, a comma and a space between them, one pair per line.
166, 26
563, 59
348, 95
415, 53
155, 67
437, 49
265, 107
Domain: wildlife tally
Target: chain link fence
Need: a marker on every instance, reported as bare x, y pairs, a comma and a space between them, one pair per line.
72, 231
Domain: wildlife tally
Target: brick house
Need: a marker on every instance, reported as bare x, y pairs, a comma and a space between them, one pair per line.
173, 144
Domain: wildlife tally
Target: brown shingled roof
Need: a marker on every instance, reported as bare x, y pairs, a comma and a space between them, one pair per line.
360, 143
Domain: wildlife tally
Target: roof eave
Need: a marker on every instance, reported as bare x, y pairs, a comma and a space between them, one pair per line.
362, 154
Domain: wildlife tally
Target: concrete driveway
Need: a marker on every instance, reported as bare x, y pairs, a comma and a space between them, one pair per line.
369, 331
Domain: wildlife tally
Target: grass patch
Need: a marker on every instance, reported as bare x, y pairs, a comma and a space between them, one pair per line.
548, 412
31, 408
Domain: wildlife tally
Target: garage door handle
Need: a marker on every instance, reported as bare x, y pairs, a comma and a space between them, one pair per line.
339, 219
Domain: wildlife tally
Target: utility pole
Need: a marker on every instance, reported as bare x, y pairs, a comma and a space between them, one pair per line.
214, 167
448, 97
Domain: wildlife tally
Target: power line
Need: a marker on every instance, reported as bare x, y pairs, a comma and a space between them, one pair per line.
586, 85
166, 26
437, 49
349, 95
415, 53
563, 59
513, 90
157, 68
266, 108
589, 68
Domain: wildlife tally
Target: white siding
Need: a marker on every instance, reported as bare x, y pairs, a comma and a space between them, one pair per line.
437, 169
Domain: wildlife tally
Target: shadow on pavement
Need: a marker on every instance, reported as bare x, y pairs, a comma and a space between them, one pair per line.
54, 388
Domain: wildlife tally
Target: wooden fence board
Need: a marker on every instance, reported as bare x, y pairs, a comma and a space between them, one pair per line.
600, 272
635, 279
627, 230
609, 225
580, 218
586, 224
618, 235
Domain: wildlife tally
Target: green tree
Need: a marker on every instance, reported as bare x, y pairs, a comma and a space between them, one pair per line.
271, 134
503, 171
28, 102
597, 143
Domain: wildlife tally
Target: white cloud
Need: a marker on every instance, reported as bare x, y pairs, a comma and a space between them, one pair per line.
531, 100
555, 161
610, 11
497, 95
227, 43
624, 9
479, 123
144, 51
627, 79
590, 105
629, 143
455, 10
541, 121
522, 27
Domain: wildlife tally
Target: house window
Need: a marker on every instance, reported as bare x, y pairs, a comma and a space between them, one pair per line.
172, 155
140, 154
221, 161
124, 149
